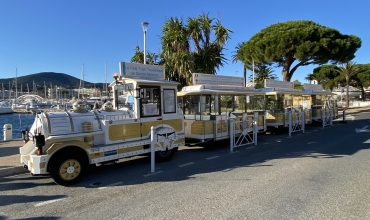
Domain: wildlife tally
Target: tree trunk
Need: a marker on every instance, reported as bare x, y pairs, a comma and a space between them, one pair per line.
245, 75
347, 95
286, 68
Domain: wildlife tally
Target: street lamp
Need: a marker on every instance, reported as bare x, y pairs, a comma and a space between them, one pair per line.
145, 27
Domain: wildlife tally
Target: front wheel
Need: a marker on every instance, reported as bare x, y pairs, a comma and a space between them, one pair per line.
68, 170
162, 156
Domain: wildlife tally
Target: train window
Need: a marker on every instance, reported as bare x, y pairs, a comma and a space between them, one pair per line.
151, 102
169, 103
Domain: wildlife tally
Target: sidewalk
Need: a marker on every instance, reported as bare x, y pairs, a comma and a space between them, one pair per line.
10, 157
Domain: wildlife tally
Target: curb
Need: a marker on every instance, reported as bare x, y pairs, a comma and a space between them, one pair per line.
9, 171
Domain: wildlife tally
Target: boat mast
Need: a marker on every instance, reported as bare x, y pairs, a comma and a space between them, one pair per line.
2, 89
10, 92
16, 92
81, 81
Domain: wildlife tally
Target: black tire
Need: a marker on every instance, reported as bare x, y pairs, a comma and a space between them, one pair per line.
163, 156
67, 170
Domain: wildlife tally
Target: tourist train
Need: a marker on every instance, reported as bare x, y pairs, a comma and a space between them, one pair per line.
147, 113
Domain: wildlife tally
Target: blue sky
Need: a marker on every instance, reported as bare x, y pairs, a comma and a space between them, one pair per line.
59, 36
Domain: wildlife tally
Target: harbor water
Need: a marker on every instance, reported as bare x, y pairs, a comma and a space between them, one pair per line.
19, 122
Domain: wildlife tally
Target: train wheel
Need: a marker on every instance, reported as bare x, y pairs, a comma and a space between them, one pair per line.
162, 156
68, 170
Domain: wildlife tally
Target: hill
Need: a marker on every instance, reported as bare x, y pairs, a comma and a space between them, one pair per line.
55, 79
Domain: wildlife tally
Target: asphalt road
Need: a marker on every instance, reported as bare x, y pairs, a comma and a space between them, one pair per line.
322, 174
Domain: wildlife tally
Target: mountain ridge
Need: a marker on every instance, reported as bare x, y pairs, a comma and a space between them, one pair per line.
50, 78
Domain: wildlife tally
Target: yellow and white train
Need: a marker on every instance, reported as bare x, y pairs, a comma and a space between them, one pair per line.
63, 144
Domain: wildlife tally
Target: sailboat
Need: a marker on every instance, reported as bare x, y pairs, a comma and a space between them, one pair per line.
5, 107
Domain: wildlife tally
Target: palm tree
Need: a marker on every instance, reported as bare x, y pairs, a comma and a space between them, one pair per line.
236, 57
204, 56
151, 58
348, 70
263, 72
138, 56
176, 50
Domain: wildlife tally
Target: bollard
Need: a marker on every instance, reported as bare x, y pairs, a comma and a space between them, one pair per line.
152, 150
8, 132
344, 116
232, 135
323, 117
290, 121
303, 121
331, 116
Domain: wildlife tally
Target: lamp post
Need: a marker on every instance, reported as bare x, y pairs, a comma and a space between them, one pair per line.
145, 27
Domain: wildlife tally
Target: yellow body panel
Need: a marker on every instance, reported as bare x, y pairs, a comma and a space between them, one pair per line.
126, 131
275, 117
221, 126
145, 127
180, 140
56, 146
202, 127
176, 124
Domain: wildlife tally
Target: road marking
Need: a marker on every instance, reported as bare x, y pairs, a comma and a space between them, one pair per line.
312, 142
210, 158
234, 152
48, 202
151, 174
265, 143
186, 164
113, 184
250, 147
362, 129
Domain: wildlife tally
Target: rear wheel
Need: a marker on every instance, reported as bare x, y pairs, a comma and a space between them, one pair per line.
68, 170
162, 156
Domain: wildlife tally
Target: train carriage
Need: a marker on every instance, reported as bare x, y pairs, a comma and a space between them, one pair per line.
210, 103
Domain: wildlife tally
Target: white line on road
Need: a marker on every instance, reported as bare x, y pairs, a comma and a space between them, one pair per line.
210, 158
250, 147
265, 143
113, 184
234, 152
48, 202
151, 174
187, 164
